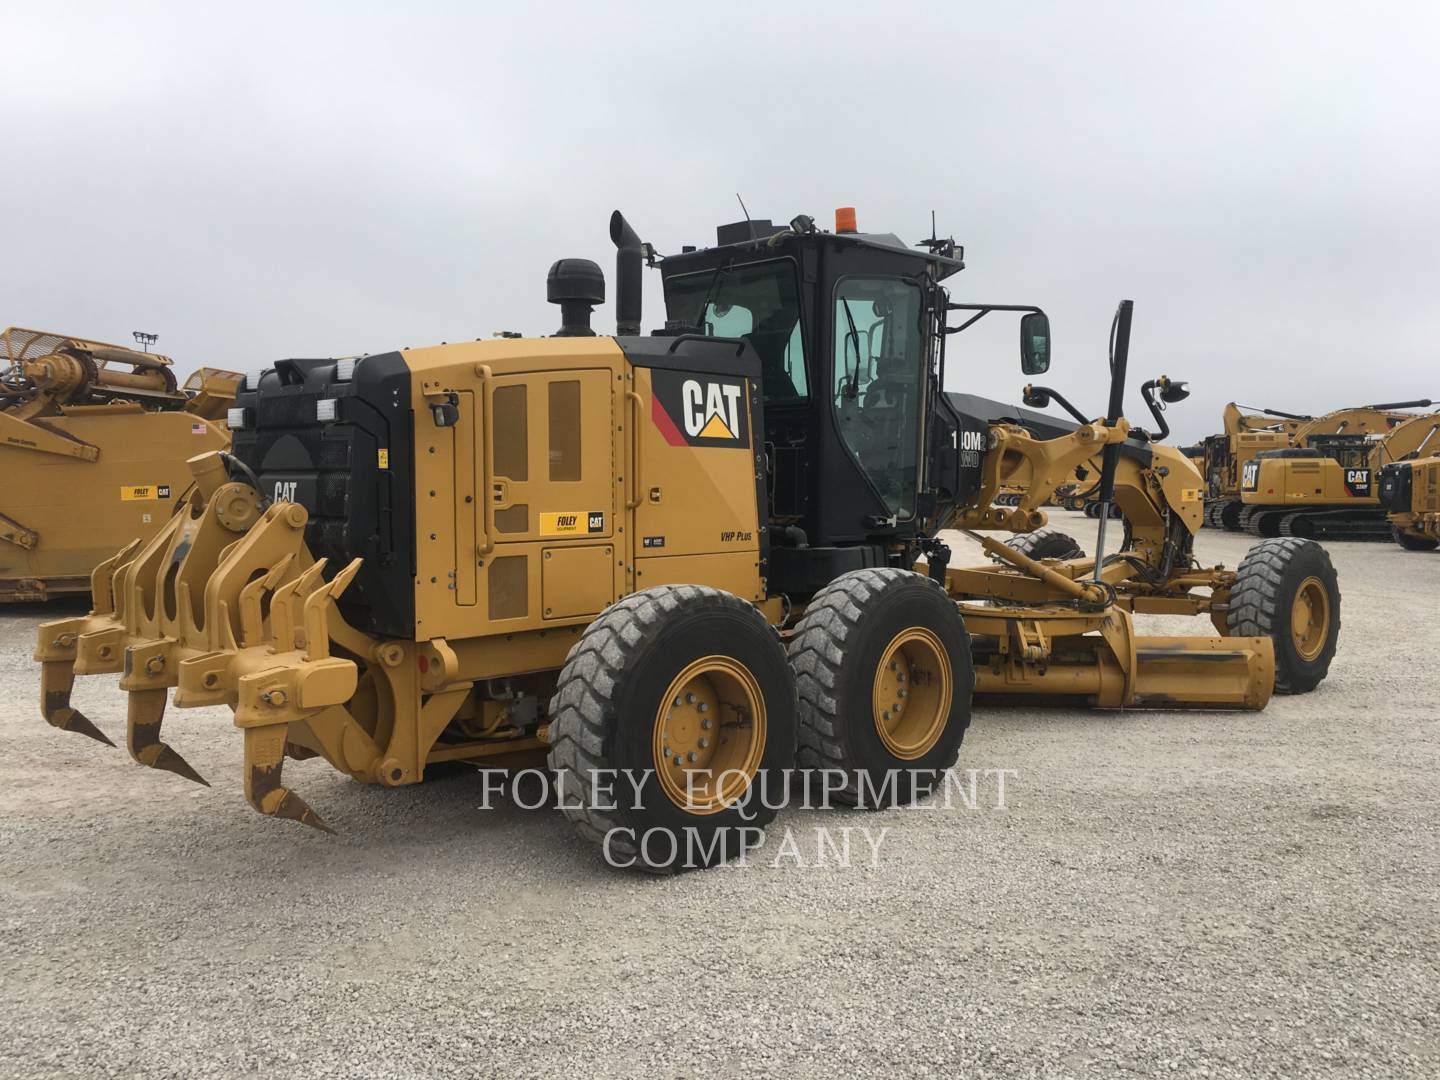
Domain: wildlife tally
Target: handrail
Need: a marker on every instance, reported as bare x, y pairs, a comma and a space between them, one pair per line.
636, 487
487, 458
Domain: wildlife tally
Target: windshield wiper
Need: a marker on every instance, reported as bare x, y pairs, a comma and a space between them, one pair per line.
852, 382
710, 293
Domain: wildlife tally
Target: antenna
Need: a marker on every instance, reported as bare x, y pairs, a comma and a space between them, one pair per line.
741, 201
145, 340
946, 248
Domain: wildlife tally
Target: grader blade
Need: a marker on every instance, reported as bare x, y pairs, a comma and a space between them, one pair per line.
1097, 658
57, 679
264, 760
144, 714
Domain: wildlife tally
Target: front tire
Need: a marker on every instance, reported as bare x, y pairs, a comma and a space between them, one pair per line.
1046, 543
683, 690
1286, 589
883, 671
1411, 542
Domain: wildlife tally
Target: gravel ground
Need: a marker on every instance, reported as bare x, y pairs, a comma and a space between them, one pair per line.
1164, 893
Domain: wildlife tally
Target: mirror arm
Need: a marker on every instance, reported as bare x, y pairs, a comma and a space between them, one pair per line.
1147, 391
1044, 392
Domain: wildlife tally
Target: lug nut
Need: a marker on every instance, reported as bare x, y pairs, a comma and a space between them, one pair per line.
704, 744
689, 699
677, 759
901, 691
690, 756
703, 707
707, 724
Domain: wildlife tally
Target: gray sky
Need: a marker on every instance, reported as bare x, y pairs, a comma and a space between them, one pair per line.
264, 180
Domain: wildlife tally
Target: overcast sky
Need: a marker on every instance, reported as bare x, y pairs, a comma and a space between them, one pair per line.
256, 181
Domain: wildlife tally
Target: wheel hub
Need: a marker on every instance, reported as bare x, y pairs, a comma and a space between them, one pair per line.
1310, 618
709, 735
912, 693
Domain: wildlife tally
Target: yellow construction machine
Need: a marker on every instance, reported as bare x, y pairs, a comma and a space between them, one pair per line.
1326, 487
1410, 495
1228, 456
698, 558
93, 444
1223, 456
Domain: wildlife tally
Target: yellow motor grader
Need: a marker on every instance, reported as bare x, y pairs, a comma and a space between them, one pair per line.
93, 444
698, 558
1410, 495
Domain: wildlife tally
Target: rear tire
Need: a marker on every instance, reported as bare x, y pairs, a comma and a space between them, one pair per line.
882, 667
1413, 543
673, 671
1046, 543
1286, 589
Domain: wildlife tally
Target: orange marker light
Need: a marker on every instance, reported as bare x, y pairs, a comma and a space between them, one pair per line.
845, 219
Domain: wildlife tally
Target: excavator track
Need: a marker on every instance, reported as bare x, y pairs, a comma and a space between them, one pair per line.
1336, 525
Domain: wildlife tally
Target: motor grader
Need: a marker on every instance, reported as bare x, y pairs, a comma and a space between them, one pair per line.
93, 444
1326, 487
698, 558
1410, 495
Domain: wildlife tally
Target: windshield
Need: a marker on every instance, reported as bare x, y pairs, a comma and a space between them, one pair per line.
758, 302
877, 385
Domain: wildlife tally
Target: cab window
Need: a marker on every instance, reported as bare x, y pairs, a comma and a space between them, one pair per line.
878, 382
758, 302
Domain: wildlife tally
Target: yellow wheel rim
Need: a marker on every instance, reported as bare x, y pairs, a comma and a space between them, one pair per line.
709, 735
912, 693
1310, 618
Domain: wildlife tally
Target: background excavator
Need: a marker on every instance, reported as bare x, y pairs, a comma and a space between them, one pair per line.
1247, 435
1326, 486
93, 443
1243, 435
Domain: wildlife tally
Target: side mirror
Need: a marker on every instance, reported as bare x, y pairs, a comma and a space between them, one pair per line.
1171, 391
1035, 343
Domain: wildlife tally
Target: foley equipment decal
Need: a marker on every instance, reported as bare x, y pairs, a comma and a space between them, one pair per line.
144, 492
572, 523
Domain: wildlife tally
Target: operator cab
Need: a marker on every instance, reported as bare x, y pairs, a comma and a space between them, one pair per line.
864, 453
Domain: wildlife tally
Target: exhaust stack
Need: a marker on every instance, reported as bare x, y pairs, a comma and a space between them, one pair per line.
628, 253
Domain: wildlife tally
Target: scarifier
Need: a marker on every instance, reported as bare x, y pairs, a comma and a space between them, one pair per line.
704, 555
